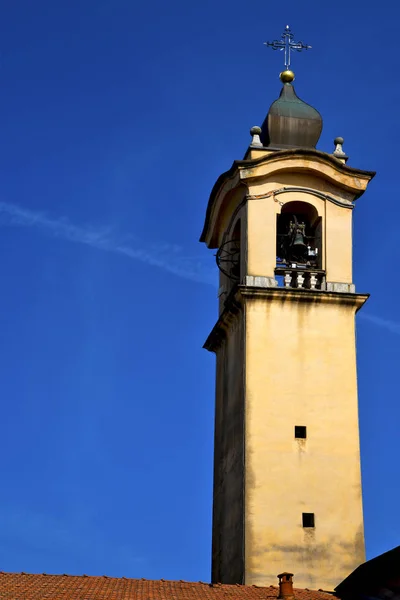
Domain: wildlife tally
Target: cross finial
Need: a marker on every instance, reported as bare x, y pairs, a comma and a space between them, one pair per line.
287, 44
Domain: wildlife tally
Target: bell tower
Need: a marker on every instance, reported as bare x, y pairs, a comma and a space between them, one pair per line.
287, 482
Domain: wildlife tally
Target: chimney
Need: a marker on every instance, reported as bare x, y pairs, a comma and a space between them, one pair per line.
286, 586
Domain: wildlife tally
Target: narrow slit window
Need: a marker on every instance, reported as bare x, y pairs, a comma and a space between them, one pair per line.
308, 520
300, 432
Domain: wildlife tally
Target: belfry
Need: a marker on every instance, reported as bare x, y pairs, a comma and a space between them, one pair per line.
287, 480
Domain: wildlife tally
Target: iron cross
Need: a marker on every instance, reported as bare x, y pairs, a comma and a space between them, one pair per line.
287, 44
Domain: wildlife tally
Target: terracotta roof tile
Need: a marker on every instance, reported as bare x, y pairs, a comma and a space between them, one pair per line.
22, 586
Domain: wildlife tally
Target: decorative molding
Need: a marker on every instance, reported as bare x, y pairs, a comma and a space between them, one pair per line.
307, 190
241, 294
303, 295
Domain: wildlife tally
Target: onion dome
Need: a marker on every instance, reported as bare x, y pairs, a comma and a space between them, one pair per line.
290, 122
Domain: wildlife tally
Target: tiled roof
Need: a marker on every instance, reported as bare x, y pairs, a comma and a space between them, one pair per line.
22, 586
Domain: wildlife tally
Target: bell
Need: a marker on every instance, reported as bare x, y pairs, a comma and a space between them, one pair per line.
298, 247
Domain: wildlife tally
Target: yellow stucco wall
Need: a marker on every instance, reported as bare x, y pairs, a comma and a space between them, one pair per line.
301, 370
262, 210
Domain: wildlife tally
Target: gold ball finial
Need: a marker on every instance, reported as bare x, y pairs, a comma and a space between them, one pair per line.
286, 76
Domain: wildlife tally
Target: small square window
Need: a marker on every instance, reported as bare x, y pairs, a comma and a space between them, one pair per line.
300, 432
308, 520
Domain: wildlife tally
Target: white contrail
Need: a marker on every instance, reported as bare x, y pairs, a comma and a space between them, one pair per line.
392, 326
168, 257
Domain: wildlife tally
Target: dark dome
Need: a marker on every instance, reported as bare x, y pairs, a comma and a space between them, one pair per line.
290, 122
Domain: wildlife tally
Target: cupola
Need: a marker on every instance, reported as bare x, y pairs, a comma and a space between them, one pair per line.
290, 122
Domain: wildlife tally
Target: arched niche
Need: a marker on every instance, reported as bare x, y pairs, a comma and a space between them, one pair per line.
299, 235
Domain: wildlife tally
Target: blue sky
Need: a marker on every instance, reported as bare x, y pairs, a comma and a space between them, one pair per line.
116, 117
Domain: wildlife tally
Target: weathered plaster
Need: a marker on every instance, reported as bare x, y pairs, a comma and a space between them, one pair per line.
301, 370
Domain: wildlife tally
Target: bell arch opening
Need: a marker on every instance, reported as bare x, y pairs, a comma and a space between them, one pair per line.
299, 247
299, 236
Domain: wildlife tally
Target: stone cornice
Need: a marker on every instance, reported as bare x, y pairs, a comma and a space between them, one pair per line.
294, 160
308, 154
235, 303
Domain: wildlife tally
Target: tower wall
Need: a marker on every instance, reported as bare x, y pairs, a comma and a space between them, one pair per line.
301, 370
285, 346
228, 501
